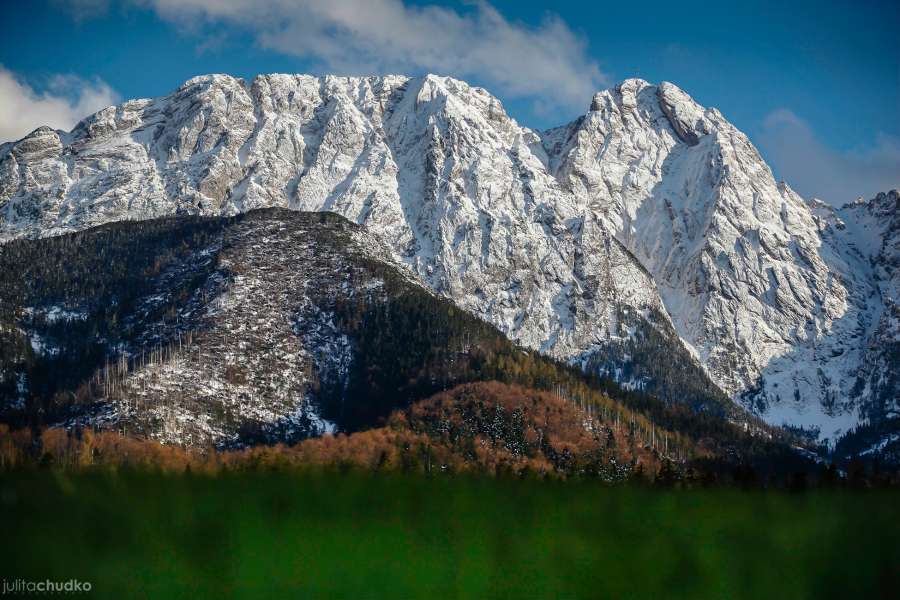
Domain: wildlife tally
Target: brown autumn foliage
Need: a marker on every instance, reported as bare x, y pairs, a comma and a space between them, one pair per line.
491, 421
86, 448
14, 446
485, 427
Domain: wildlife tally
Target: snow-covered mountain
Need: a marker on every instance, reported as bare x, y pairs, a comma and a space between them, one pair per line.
648, 222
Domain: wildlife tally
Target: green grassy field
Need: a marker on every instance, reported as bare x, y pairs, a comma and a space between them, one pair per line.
287, 536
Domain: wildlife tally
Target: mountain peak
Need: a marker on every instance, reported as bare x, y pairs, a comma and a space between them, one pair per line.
686, 116
646, 101
648, 218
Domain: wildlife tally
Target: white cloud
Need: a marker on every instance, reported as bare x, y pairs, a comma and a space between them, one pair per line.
549, 61
816, 170
67, 100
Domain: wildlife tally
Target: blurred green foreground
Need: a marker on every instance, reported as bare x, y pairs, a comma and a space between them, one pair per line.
321, 536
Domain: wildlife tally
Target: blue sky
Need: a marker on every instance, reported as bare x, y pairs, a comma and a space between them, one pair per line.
816, 85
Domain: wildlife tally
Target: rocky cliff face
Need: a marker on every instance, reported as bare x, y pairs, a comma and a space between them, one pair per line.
869, 233
648, 214
767, 289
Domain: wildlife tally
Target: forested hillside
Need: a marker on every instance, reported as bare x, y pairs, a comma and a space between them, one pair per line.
277, 326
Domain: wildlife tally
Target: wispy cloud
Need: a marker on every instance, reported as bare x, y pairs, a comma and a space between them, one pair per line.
815, 169
548, 62
67, 100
